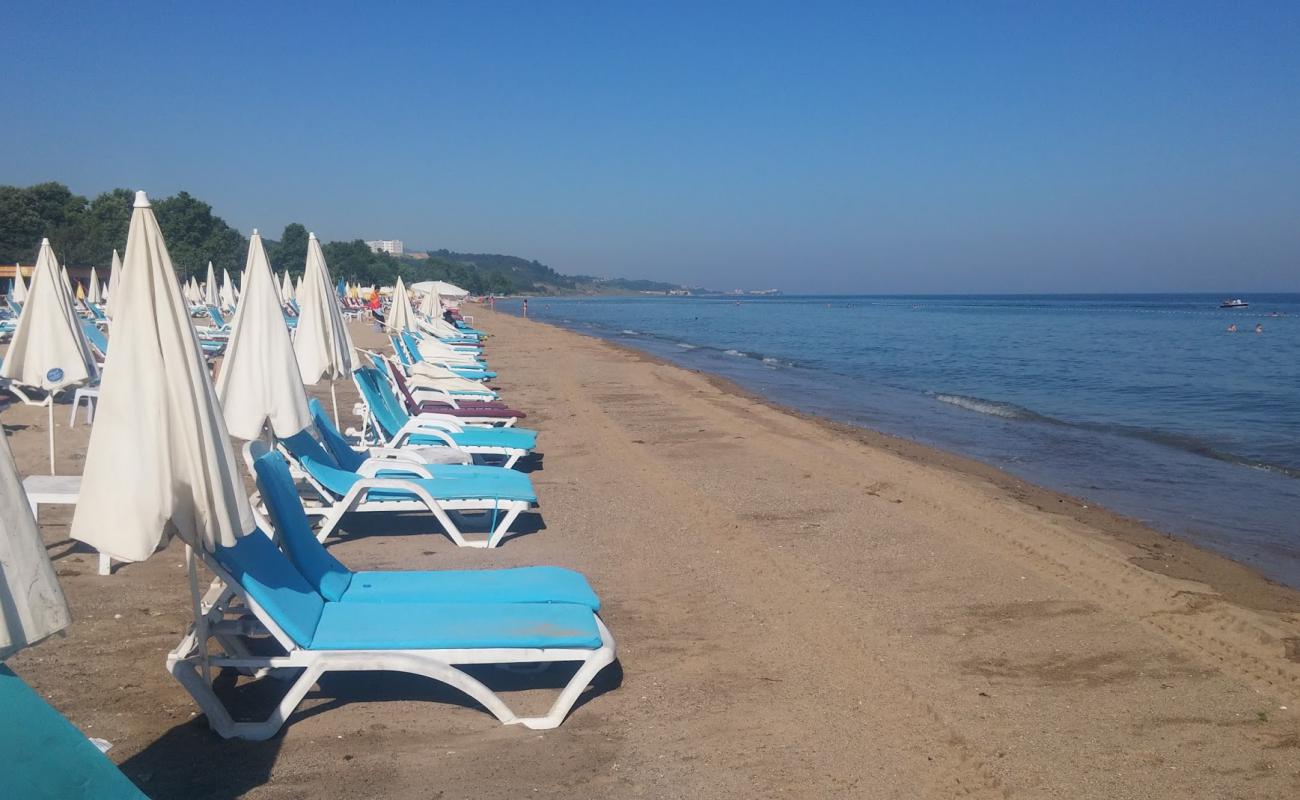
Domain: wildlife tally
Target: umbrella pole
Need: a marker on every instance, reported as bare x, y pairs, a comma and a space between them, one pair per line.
200, 619
334, 400
49, 404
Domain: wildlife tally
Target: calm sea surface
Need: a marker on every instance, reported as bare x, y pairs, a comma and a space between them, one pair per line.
1142, 403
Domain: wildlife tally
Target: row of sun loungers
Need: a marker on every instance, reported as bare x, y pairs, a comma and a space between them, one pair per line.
450, 453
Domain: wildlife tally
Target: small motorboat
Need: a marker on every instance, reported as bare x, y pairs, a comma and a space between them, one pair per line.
1234, 303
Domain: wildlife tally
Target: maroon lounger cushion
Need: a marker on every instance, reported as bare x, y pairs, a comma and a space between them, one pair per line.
494, 412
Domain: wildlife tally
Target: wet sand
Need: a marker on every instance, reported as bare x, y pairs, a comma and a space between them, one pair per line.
802, 609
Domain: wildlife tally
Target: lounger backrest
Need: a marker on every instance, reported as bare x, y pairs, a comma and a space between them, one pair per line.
412, 346
400, 348
344, 455
381, 402
215, 314
400, 380
267, 576
303, 445
95, 336
336, 481
322, 570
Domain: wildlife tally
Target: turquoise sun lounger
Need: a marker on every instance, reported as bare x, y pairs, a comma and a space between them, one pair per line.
498, 495
316, 635
398, 428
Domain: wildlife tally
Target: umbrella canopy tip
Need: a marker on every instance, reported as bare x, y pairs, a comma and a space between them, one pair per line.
311, 235
141, 199
255, 233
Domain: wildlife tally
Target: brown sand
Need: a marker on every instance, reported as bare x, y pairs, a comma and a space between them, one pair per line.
802, 609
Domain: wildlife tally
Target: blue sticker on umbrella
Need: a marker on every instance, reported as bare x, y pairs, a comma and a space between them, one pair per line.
54, 376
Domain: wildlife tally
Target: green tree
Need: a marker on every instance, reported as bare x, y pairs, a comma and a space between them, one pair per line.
290, 253
195, 236
29, 214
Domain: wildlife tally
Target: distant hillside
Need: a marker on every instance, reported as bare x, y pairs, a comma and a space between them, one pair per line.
85, 231
535, 277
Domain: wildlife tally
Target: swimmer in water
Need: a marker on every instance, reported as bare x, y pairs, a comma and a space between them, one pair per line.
1259, 328
1232, 328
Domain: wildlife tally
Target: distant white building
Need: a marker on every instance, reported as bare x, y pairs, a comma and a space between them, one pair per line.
391, 246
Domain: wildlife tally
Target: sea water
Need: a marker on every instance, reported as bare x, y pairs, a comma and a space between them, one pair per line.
1145, 404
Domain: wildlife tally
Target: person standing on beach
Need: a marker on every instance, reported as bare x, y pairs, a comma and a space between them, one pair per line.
525, 307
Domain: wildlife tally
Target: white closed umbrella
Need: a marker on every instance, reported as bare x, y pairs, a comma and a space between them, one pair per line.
259, 381
32, 605
114, 276
176, 474
431, 305
66, 282
93, 295
401, 317
210, 293
322, 344
286, 288
195, 294
48, 350
227, 290
18, 292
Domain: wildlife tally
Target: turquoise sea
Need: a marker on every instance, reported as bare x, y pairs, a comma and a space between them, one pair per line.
1145, 404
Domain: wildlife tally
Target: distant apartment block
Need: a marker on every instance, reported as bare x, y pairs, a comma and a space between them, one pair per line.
391, 246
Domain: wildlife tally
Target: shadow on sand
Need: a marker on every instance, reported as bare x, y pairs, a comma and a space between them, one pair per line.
192, 762
361, 526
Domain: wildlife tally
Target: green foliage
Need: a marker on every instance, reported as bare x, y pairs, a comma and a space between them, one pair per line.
290, 253
196, 236
85, 232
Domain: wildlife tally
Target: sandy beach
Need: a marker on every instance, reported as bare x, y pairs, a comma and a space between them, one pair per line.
802, 610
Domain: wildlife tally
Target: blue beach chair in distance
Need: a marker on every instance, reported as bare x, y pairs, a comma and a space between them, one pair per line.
495, 494
396, 427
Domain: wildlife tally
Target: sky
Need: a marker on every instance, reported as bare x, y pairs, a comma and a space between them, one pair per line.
814, 147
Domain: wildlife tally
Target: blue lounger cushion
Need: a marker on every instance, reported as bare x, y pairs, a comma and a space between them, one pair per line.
45, 757
302, 445
270, 579
464, 486
436, 626
336, 582
514, 438
517, 585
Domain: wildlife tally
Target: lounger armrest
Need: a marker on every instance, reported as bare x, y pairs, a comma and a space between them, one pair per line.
426, 389
396, 454
436, 421
413, 429
370, 468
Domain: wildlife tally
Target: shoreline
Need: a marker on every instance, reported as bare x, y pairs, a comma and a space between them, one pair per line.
1155, 550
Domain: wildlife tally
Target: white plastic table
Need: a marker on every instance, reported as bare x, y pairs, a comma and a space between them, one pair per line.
58, 490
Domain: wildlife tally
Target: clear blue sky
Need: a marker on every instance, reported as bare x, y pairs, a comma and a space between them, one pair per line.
966, 146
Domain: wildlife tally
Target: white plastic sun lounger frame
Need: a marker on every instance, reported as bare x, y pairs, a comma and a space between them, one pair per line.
441, 426
191, 662
331, 511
